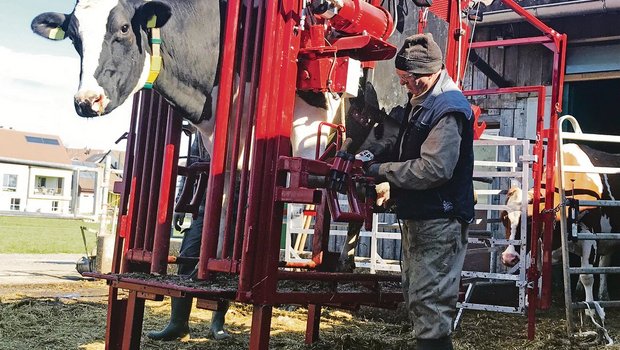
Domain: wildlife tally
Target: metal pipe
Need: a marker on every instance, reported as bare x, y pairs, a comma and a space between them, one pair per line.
161, 243
560, 9
147, 159
238, 120
138, 168
243, 187
256, 182
213, 206
156, 172
122, 219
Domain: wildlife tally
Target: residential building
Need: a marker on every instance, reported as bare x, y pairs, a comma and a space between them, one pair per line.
36, 173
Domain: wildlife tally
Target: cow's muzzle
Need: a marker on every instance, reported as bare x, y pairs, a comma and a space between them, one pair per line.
510, 259
90, 103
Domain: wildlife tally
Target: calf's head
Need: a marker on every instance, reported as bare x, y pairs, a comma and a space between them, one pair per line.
111, 38
511, 219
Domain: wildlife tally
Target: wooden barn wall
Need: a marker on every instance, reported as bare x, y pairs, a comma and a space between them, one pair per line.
519, 66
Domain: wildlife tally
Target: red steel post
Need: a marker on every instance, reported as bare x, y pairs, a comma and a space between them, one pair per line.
161, 243
146, 160
156, 172
240, 112
213, 208
256, 181
244, 183
125, 194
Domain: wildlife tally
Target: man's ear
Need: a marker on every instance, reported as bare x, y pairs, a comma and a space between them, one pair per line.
51, 25
154, 14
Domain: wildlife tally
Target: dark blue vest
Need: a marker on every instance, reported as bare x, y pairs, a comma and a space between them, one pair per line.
455, 198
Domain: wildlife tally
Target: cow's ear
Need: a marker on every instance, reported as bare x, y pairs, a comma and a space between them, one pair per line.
51, 25
154, 14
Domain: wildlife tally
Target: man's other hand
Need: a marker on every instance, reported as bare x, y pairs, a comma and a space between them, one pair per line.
383, 194
177, 220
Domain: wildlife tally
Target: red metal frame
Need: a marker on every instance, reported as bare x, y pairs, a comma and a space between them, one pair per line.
555, 42
151, 170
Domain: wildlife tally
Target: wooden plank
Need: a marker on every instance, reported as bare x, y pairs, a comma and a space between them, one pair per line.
496, 61
479, 78
520, 119
510, 69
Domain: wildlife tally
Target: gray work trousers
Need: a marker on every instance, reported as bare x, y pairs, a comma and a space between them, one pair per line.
433, 256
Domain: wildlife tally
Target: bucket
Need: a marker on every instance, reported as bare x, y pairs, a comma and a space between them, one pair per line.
86, 264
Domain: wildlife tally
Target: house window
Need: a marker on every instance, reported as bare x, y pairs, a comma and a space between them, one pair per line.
54, 205
42, 140
15, 203
50, 186
9, 183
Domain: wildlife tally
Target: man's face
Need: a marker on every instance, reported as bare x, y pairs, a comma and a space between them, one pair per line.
416, 84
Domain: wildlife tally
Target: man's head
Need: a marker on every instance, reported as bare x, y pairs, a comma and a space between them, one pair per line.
418, 63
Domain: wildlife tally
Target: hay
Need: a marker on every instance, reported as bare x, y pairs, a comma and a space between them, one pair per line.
66, 317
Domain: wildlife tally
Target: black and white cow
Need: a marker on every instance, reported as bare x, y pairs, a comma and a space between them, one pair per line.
111, 38
586, 186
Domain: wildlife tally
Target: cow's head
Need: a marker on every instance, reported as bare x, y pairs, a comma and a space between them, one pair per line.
111, 38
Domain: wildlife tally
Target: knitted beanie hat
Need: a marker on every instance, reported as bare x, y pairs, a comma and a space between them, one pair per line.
420, 54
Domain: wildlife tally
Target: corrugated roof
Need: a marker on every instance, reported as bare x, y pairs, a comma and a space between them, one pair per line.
32, 146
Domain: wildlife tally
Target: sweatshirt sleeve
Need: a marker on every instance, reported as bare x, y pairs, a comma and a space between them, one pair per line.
438, 157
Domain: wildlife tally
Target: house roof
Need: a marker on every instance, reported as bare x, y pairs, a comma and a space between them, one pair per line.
32, 146
87, 156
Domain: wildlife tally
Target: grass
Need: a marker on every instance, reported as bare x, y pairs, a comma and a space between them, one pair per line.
31, 235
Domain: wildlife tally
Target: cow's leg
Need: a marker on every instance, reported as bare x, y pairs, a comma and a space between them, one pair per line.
587, 280
346, 262
603, 292
510, 256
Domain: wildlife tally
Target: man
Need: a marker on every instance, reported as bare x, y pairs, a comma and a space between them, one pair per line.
178, 326
430, 176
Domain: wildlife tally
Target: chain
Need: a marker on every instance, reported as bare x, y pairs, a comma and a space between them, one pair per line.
557, 208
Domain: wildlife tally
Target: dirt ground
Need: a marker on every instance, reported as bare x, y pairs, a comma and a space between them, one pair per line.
72, 316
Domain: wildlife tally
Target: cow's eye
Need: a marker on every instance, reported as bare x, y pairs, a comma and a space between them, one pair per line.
125, 29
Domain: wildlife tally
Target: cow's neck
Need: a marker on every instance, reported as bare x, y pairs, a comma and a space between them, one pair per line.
190, 56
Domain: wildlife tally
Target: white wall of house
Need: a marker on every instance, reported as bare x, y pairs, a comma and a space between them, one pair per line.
13, 187
87, 203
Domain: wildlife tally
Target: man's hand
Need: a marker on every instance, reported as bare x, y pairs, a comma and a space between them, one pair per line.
383, 193
177, 220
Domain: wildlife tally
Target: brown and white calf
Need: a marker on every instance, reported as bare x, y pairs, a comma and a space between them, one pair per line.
585, 186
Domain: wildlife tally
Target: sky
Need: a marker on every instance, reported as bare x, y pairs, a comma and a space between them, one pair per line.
38, 78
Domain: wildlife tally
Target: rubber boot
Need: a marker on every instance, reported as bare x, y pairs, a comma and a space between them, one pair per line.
217, 323
178, 326
444, 343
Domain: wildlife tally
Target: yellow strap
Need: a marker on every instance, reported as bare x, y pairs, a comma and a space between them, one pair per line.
156, 60
56, 34
152, 22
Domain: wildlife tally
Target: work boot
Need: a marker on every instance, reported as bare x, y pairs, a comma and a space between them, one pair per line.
178, 326
444, 343
217, 323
